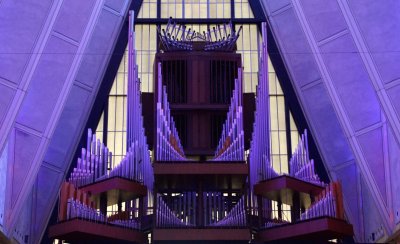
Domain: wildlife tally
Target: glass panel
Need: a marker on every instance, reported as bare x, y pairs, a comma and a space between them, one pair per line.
282, 142
295, 137
245, 11
178, 10
110, 140
164, 11
99, 127
270, 66
272, 83
278, 87
119, 144
249, 52
286, 213
195, 9
294, 133
114, 88
276, 165
203, 13
281, 112
242, 9
293, 125
120, 89
145, 54
284, 164
273, 113
148, 9
214, 13
111, 113
227, 10
247, 81
275, 142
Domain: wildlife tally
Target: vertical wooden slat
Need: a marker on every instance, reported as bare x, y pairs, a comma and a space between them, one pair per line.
185, 91
180, 81
226, 81
174, 79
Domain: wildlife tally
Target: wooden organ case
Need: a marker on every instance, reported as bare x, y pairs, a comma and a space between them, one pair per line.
199, 85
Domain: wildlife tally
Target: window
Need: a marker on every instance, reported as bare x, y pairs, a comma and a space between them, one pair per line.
196, 9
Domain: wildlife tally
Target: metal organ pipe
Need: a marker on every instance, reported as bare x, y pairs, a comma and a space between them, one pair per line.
173, 217
231, 143
180, 211
79, 205
96, 164
259, 152
169, 147
301, 166
89, 165
235, 217
259, 157
328, 203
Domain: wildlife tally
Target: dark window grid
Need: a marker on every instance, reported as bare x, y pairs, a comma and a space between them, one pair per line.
160, 20
273, 91
150, 3
149, 71
241, 3
193, 6
247, 52
120, 84
120, 136
119, 131
211, 21
118, 121
112, 131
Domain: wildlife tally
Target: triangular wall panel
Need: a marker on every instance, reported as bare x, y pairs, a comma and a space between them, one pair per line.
372, 148
25, 147
394, 168
348, 176
370, 215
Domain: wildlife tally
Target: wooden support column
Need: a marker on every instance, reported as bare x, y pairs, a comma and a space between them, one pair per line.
279, 209
141, 209
260, 210
103, 203
119, 205
295, 211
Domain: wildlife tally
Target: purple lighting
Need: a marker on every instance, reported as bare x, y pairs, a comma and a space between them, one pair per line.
76, 209
180, 216
231, 143
180, 210
169, 147
235, 217
301, 166
259, 158
93, 163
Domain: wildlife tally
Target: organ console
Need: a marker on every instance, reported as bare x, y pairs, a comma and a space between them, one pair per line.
199, 185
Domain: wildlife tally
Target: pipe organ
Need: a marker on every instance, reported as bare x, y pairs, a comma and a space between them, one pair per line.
198, 186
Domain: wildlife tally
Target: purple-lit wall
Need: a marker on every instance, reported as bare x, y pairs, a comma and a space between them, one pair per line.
53, 55
342, 57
